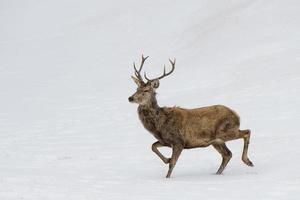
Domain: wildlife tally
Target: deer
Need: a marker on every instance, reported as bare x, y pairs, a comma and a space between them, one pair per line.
180, 128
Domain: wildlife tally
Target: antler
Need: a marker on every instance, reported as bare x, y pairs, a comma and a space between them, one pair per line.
164, 74
138, 72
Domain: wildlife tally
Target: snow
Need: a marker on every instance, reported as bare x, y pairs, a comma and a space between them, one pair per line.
67, 130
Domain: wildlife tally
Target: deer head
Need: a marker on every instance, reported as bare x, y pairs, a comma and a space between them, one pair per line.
146, 90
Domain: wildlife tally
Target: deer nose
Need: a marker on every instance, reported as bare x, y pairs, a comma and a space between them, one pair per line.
130, 99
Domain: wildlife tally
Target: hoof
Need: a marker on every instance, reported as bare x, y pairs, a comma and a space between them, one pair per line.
218, 173
248, 162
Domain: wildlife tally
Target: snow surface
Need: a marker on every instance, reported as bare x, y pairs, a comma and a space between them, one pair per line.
67, 130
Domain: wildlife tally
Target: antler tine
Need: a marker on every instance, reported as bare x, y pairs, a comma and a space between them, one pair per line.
146, 77
138, 72
167, 74
173, 62
164, 74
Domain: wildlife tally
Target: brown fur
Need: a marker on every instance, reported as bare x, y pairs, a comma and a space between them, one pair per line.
180, 128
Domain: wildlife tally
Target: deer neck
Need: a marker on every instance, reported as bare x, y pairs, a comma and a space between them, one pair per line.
149, 114
152, 107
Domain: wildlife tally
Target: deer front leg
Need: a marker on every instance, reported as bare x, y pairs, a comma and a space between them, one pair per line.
156, 145
176, 151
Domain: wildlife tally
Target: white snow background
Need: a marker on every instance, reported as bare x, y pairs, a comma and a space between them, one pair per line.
68, 132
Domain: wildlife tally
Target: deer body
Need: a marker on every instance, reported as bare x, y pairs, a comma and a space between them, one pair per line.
180, 128
191, 127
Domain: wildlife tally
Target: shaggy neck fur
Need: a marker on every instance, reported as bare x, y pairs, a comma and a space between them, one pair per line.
151, 109
149, 114
151, 105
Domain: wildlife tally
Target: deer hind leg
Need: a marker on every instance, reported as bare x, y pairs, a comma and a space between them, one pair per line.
156, 145
245, 134
176, 151
226, 155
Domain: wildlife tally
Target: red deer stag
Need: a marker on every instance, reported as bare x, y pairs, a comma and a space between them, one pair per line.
180, 128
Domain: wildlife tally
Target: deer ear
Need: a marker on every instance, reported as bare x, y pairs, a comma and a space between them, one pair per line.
155, 83
137, 81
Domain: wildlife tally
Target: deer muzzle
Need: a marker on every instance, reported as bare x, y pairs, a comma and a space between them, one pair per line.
130, 99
